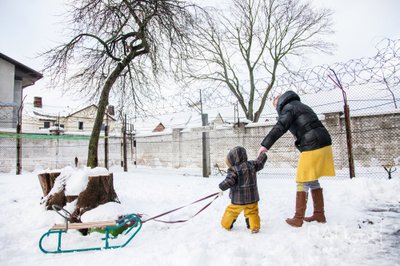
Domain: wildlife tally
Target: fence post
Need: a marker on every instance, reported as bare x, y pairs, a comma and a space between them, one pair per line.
337, 82
349, 139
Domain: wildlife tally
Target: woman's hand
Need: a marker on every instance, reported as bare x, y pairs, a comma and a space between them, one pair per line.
261, 150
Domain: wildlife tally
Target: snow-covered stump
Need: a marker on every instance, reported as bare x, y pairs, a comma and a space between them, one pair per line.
99, 190
47, 181
80, 189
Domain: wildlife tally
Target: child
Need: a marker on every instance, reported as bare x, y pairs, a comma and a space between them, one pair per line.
241, 178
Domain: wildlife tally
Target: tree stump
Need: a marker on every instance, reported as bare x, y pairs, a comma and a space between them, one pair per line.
99, 190
47, 181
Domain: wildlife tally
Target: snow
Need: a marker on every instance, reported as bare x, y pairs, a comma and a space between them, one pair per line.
363, 225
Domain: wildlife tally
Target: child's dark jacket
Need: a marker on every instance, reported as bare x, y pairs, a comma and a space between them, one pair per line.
241, 177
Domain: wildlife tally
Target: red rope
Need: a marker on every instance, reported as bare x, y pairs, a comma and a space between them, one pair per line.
182, 221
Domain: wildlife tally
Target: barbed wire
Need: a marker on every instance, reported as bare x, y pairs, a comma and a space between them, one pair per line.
383, 68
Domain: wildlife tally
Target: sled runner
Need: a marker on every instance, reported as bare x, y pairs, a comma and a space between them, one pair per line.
128, 226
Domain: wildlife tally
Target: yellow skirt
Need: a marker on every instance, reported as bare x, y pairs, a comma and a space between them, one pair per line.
314, 164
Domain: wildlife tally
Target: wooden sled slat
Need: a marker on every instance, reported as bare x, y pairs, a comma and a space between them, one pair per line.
86, 225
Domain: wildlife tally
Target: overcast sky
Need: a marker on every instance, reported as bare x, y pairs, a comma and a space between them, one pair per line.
28, 27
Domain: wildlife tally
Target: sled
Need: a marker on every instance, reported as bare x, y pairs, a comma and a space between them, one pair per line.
129, 225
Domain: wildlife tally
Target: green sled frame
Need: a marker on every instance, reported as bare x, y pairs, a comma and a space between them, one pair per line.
131, 220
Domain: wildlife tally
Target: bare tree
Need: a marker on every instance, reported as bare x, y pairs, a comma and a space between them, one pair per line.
121, 44
244, 50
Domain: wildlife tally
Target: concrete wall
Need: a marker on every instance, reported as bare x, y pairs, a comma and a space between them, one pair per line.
375, 143
53, 152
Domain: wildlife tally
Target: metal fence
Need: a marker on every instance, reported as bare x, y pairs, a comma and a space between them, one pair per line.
41, 151
375, 130
374, 127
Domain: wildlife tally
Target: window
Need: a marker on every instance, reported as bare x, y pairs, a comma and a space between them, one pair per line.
46, 124
80, 125
37, 102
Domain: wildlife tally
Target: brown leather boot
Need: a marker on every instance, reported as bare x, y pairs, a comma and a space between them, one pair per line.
318, 202
301, 205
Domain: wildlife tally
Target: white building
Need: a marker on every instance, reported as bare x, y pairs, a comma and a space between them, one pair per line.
14, 77
38, 118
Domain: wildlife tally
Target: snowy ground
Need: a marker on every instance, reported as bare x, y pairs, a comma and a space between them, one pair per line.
363, 225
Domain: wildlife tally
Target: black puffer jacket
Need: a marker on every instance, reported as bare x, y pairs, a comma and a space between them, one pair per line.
301, 121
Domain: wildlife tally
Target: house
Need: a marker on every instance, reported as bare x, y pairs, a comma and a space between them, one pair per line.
159, 128
42, 119
14, 77
185, 121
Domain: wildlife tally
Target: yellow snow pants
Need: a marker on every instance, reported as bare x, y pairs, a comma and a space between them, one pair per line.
250, 213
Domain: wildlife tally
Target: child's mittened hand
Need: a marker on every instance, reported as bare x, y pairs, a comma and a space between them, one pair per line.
220, 193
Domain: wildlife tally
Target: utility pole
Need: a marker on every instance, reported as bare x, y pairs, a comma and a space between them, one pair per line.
19, 147
19, 143
236, 113
124, 147
58, 139
205, 141
106, 142
133, 144
346, 108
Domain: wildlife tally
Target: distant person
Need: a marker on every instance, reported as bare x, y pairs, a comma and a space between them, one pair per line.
241, 179
76, 161
315, 146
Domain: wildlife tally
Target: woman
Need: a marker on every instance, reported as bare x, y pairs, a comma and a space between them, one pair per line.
315, 146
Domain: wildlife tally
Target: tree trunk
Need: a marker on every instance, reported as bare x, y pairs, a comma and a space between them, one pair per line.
103, 102
92, 160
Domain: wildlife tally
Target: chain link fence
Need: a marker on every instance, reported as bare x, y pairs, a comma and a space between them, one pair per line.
40, 151
374, 127
375, 146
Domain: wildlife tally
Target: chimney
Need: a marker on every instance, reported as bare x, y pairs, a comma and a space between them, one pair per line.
37, 102
110, 110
